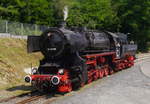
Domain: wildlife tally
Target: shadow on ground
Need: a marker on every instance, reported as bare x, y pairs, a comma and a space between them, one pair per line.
20, 87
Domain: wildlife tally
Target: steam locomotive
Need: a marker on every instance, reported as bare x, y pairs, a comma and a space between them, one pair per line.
75, 57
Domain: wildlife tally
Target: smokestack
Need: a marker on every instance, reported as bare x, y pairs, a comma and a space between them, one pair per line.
62, 24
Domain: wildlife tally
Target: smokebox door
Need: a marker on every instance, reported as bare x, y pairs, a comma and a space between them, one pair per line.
33, 44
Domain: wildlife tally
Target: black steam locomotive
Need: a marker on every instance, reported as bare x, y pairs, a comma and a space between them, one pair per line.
75, 57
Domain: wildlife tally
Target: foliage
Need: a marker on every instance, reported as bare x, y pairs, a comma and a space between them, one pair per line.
28, 11
96, 14
134, 18
128, 16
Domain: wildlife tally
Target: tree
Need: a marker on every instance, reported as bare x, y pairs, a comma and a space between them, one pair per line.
126, 16
134, 18
93, 14
8, 9
28, 11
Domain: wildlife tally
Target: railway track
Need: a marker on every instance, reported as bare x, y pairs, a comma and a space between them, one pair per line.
14, 97
30, 99
7, 99
34, 95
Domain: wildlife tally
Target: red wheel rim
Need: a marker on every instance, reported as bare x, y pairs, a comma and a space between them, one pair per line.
101, 73
106, 71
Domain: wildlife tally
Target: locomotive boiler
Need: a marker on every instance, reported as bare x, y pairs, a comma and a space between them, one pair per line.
55, 42
75, 58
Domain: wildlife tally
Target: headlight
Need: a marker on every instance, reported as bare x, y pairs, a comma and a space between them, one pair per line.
55, 80
28, 79
34, 71
61, 71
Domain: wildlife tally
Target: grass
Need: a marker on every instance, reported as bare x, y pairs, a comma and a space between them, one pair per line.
13, 59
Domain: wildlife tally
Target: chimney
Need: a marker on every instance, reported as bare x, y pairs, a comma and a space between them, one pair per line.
62, 24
